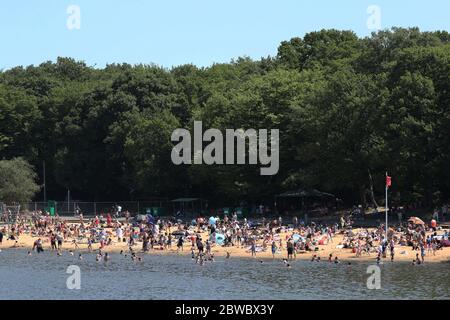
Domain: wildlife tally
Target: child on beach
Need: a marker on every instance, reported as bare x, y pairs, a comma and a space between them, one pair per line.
180, 244
422, 252
274, 249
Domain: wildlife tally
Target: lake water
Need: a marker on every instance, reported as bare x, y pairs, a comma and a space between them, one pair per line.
44, 276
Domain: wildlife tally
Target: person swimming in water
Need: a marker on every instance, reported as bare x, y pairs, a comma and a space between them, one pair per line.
38, 246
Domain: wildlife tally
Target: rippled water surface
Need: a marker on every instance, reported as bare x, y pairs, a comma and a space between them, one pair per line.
174, 277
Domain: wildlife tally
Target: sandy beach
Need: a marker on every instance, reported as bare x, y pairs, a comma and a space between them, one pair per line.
402, 253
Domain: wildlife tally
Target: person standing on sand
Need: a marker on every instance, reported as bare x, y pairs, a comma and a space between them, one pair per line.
59, 239
169, 240
253, 248
145, 241
290, 249
330, 234
392, 250
444, 212
53, 242
436, 215
274, 249
119, 234
1, 236
399, 216
295, 222
422, 252
180, 244
208, 247
342, 220
199, 245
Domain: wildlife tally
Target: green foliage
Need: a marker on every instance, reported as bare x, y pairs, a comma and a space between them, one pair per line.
17, 181
348, 110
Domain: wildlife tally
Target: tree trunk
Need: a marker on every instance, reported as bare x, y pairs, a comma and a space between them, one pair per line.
362, 192
372, 195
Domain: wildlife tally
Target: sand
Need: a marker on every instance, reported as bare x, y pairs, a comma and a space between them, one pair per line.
26, 241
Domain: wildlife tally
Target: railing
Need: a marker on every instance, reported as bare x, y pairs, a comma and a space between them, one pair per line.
67, 208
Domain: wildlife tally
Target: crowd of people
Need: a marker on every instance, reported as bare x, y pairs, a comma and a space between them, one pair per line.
279, 238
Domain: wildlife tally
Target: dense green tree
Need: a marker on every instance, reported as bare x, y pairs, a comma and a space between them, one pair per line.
348, 110
17, 181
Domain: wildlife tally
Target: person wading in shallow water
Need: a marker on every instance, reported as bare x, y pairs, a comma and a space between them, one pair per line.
38, 246
290, 249
199, 245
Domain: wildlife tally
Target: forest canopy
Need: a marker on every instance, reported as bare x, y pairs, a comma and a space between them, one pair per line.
348, 110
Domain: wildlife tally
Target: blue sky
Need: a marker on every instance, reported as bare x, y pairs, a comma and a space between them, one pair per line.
173, 32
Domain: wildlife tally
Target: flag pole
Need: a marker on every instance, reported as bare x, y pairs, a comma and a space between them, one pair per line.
386, 226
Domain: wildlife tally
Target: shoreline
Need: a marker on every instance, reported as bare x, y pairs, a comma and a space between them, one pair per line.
403, 253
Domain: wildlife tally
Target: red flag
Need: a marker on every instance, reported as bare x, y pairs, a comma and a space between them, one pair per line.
388, 181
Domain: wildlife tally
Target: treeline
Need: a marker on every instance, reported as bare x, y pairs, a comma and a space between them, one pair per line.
348, 110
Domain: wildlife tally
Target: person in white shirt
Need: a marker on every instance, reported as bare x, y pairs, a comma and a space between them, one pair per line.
119, 233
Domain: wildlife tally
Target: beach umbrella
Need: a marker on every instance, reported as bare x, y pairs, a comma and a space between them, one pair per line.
220, 238
296, 237
416, 220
